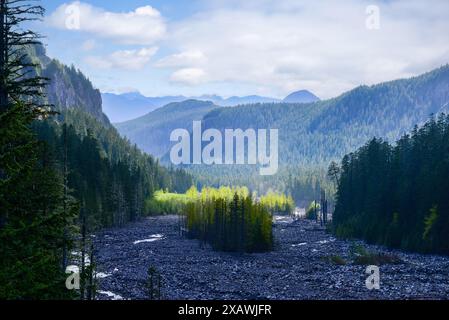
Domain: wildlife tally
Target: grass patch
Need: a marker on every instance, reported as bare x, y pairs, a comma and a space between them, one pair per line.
334, 259
377, 259
361, 256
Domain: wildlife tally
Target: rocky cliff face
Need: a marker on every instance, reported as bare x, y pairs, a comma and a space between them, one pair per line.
68, 87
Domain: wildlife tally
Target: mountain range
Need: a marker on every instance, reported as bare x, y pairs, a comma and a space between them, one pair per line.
128, 106
310, 134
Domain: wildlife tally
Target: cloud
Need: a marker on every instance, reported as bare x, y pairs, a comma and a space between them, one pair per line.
322, 46
188, 76
120, 90
123, 59
143, 26
187, 58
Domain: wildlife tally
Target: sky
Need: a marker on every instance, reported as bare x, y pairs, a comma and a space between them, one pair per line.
234, 47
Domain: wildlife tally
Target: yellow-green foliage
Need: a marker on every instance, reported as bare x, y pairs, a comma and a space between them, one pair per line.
312, 210
429, 222
229, 219
164, 202
278, 203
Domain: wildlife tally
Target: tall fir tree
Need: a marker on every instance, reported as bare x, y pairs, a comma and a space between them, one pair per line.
32, 219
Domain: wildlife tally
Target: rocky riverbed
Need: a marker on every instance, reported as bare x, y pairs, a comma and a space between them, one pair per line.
298, 267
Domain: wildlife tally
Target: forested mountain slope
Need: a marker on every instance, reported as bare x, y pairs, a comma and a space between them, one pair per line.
108, 175
312, 135
388, 109
152, 131
316, 133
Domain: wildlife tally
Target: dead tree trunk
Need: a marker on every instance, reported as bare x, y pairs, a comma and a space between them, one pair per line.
83, 254
3, 56
323, 207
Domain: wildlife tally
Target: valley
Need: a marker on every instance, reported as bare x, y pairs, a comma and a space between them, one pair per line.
311, 134
130, 181
297, 268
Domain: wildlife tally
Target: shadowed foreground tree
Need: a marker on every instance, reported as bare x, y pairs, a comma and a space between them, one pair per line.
32, 220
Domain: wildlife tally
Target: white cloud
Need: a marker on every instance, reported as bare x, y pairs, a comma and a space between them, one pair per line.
322, 46
120, 90
123, 59
142, 26
183, 59
188, 76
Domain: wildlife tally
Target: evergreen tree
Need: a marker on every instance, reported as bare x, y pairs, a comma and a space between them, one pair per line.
229, 219
32, 221
397, 195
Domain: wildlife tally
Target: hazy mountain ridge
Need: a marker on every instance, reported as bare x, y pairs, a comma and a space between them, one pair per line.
152, 131
129, 106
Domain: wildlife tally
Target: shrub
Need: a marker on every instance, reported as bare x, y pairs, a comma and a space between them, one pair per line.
311, 212
363, 257
334, 259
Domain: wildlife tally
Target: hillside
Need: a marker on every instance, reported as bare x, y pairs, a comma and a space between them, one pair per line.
152, 131
108, 174
316, 133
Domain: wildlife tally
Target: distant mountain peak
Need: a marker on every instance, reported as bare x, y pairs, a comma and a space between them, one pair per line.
210, 96
132, 95
301, 96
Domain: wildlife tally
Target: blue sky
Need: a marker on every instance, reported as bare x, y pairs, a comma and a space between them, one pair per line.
231, 47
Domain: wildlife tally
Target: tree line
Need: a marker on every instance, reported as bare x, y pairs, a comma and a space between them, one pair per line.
111, 178
229, 219
397, 195
278, 203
